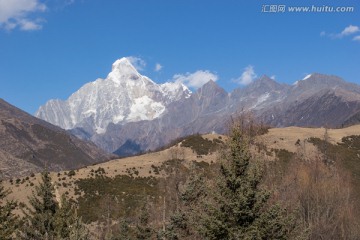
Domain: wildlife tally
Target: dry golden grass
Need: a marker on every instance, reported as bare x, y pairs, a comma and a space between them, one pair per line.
277, 138
286, 138
143, 164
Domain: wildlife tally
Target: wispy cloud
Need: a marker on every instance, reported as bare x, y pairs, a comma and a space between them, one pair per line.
59, 5
247, 77
158, 67
137, 62
20, 14
196, 79
357, 38
349, 30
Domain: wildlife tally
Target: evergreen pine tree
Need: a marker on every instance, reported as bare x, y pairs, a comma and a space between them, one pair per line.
46, 219
8, 222
39, 218
177, 228
124, 231
78, 231
237, 206
67, 224
143, 230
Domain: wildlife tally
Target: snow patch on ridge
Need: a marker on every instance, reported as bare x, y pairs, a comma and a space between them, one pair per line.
307, 76
144, 108
172, 90
260, 100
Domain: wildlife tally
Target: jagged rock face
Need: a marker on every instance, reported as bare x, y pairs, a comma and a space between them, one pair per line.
127, 107
124, 96
28, 144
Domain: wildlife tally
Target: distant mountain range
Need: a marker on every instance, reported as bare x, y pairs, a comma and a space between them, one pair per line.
127, 112
28, 144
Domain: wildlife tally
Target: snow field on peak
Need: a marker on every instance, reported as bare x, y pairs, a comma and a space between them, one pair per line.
144, 108
123, 96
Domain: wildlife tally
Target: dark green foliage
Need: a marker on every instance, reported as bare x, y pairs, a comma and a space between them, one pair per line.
202, 164
172, 165
46, 218
155, 169
78, 231
345, 154
67, 223
194, 187
200, 145
143, 230
8, 222
100, 171
71, 173
127, 194
124, 231
39, 220
177, 228
284, 158
238, 198
233, 206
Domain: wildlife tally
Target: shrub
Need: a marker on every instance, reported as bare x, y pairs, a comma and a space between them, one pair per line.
71, 173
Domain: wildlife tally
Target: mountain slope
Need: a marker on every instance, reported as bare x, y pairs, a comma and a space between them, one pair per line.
28, 144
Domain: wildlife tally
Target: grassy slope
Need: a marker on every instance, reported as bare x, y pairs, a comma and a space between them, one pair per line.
142, 174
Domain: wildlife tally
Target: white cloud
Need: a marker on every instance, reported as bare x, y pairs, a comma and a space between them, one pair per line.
28, 25
137, 62
349, 30
196, 79
17, 13
356, 38
273, 77
158, 67
69, 2
247, 77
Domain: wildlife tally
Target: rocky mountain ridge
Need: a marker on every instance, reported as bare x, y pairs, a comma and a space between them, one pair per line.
151, 115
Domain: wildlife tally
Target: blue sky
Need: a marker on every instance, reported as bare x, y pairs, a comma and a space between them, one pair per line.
50, 48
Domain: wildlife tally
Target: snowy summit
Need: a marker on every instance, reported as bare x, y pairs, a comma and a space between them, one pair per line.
123, 96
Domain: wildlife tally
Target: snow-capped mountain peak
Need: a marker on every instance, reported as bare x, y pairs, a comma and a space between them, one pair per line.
123, 96
123, 70
124, 67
